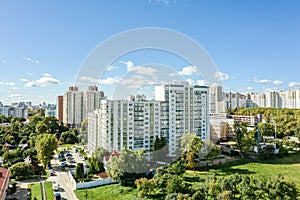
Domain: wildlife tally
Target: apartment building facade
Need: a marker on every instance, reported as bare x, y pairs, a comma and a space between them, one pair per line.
184, 109
118, 124
77, 104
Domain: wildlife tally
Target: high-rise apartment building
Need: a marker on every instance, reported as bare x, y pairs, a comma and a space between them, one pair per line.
217, 105
77, 103
234, 100
184, 109
59, 108
117, 124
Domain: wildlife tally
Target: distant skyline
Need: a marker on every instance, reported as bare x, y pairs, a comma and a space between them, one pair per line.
255, 44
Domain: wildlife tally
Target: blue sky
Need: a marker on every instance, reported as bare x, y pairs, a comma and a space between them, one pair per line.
255, 44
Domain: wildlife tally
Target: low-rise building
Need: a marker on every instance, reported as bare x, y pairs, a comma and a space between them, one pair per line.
4, 182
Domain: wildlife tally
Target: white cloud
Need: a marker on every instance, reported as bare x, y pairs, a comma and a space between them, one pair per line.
222, 76
29, 73
106, 81
202, 83
278, 82
3, 61
14, 95
110, 68
294, 84
31, 60
43, 81
12, 84
109, 81
186, 71
46, 74
262, 81
143, 70
24, 80
166, 2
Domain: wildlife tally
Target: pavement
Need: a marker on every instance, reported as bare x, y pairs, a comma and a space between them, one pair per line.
66, 188
22, 191
61, 177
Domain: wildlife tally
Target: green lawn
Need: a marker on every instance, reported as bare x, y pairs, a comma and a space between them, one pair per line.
288, 166
49, 190
36, 191
114, 191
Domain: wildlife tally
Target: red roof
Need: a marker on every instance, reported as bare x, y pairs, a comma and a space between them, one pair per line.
103, 175
4, 178
106, 158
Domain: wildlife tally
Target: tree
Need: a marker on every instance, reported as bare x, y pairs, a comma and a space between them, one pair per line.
190, 158
127, 166
21, 170
244, 140
144, 186
83, 132
45, 146
99, 153
95, 165
160, 149
79, 172
69, 137
175, 185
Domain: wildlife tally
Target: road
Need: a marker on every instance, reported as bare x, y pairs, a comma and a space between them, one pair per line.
62, 178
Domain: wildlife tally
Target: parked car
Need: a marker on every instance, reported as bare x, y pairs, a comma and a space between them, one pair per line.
72, 166
69, 155
51, 172
55, 186
57, 196
64, 164
62, 159
71, 161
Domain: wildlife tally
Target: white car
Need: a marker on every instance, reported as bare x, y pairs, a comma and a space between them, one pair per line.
55, 186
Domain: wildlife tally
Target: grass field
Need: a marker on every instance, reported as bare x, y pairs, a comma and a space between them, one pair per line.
115, 192
36, 191
49, 190
288, 166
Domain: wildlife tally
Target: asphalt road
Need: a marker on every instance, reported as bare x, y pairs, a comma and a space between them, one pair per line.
62, 178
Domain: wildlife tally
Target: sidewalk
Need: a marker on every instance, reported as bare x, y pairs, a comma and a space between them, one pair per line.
22, 191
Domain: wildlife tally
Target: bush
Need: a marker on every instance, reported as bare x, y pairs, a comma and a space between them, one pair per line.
266, 153
21, 170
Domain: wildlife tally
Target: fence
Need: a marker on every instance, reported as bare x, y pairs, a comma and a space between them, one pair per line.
90, 184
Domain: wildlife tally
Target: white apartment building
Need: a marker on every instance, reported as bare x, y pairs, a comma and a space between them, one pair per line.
118, 124
184, 109
259, 99
272, 99
216, 103
76, 104
10, 111
234, 100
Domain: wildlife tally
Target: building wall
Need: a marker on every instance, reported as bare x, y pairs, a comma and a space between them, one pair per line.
59, 107
77, 104
118, 124
184, 109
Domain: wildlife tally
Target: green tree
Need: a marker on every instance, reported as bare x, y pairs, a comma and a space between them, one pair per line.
99, 153
45, 146
83, 132
244, 139
145, 187
160, 149
21, 170
127, 166
79, 172
175, 185
69, 137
